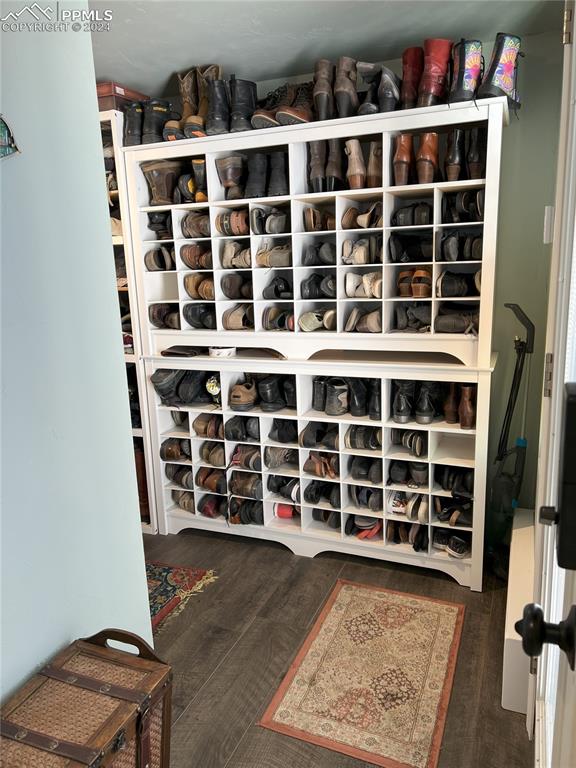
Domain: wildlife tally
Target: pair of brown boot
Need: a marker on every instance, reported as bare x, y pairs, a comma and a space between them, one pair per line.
426, 158
194, 94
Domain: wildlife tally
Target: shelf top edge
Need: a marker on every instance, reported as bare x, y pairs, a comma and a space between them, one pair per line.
210, 143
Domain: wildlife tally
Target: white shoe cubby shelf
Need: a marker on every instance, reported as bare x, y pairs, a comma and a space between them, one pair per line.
112, 122
168, 286
448, 445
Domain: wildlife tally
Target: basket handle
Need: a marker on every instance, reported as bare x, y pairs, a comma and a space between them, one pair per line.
145, 651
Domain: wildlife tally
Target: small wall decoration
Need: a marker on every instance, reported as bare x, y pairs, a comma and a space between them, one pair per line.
7, 142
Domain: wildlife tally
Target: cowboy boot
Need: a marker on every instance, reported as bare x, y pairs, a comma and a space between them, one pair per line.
317, 151
412, 67
402, 158
242, 104
300, 111
156, 113
474, 156
371, 74
194, 124
500, 79
161, 177
467, 409
432, 88
334, 172
356, 173
455, 154
374, 168
174, 129
467, 58
427, 158
345, 87
388, 91
199, 170
218, 118
323, 89
265, 116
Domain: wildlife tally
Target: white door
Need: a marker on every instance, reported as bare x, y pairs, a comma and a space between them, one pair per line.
552, 716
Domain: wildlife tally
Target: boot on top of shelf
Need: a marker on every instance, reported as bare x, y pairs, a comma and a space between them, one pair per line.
133, 115
345, 87
265, 116
501, 76
300, 111
187, 85
412, 68
242, 104
371, 74
432, 88
156, 113
194, 124
323, 93
218, 117
467, 65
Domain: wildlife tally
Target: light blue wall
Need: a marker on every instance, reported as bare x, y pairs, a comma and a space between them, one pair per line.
72, 555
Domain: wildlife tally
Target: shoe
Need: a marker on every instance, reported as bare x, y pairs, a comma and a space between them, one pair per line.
265, 116
440, 539
187, 86
239, 318
300, 111
427, 158
403, 401
161, 177
243, 396
402, 160
455, 154
133, 116
194, 126
412, 68
467, 407
425, 409
432, 86
457, 320
501, 76
375, 400
156, 113
257, 172
356, 173
467, 66
278, 182
370, 322
357, 397
278, 288
195, 225
283, 431
319, 319
459, 547
322, 93
451, 285
271, 395
242, 104
276, 319
218, 117
318, 393
270, 255
235, 429
374, 167
235, 286
345, 93
337, 393
275, 457
473, 155
317, 166
334, 172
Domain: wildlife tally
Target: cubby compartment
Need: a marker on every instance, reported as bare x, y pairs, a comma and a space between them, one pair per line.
360, 528
360, 249
459, 244
192, 225
270, 220
314, 217
406, 213
274, 285
318, 521
250, 174
314, 249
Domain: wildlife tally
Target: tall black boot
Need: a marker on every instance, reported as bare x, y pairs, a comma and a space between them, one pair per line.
278, 184
218, 118
257, 169
156, 113
243, 104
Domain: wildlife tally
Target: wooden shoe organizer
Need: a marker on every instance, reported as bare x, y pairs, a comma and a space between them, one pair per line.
168, 286
388, 355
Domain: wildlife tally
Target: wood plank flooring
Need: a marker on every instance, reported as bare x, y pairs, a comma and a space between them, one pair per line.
232, 645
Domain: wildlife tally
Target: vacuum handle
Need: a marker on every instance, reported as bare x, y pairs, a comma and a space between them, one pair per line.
523, 318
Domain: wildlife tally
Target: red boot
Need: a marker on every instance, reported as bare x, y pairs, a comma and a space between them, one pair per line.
412, 66
432, 89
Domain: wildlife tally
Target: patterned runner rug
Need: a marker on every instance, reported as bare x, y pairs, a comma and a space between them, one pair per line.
170, 587
373, 678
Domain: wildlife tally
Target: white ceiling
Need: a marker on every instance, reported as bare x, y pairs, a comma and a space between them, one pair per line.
260, 40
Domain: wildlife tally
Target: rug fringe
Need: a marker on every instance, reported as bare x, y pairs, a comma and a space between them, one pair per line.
185, 595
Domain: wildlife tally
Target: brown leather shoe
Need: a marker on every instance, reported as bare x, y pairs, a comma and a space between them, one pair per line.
402, 159
427, 158
412, 67
243, 396
265, 116
300, 111
193, 125
374, 168
467, 407
432, 86
196, 224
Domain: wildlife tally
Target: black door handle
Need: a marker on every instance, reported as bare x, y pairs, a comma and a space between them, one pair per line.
535, 632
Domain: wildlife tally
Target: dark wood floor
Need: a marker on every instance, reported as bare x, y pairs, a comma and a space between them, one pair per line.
232, 645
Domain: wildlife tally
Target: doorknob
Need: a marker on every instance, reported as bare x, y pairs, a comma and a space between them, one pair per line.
535, 632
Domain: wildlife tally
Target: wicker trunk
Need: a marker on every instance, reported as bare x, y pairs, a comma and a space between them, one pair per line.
94, 706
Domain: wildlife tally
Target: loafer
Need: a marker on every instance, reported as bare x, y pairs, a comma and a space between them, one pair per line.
243, 396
